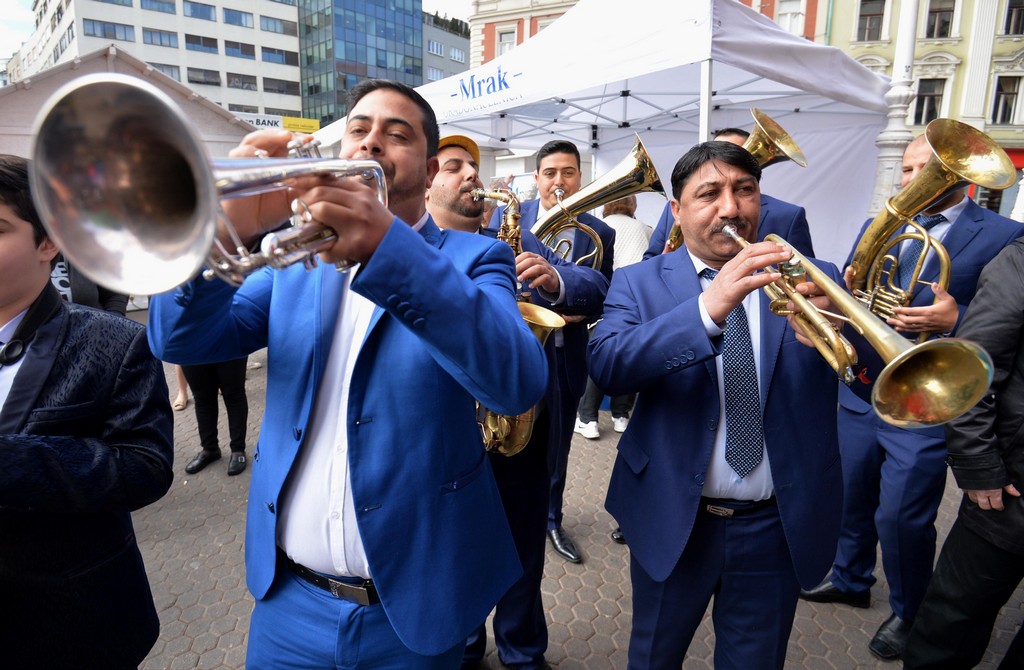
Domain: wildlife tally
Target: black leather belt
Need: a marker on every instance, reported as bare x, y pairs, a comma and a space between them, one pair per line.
727, 507
361, 592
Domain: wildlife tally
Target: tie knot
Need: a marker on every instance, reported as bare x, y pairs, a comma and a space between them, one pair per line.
708, 273
929, 221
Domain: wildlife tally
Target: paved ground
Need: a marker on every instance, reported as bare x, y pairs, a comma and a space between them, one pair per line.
192, 542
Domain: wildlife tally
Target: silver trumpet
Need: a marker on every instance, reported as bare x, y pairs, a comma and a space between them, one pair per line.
126, 191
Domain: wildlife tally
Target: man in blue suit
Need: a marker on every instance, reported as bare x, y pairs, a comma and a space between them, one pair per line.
895, 477
786, 220
727, 480
372, 506
520, 627
558, 168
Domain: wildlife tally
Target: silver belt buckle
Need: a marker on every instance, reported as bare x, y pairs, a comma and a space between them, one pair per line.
350, 592
719, 511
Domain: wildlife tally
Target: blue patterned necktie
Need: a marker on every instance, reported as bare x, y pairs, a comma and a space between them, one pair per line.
912, 252
744, 439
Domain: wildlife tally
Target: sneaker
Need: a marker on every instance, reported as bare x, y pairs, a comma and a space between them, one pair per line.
619, 423
588, 430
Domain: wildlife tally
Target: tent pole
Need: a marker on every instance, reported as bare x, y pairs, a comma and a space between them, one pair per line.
705, 100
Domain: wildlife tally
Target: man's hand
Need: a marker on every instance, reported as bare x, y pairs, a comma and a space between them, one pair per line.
939, 317
991, 499
741, 275
816, 295
535, 272
349, 206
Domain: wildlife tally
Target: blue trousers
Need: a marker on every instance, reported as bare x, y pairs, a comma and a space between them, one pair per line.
298, 626
893, 482
744, 565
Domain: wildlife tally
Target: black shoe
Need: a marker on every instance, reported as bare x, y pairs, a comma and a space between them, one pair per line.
201, 460
826, 592
891, 639
564, 545
237, 463
617, 536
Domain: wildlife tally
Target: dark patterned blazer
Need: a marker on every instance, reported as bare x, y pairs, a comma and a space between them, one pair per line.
86, 437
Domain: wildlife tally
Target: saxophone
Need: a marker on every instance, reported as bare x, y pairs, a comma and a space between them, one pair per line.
502, 433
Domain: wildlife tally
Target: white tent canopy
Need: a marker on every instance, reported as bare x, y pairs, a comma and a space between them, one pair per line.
670, 70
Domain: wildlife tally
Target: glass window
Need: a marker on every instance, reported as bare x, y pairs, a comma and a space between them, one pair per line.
280, 56
435, 48
126, 3
243, 81
245, 109
165, 6
233, 17
199, 76
198, 10
929, 100
1015, 17
170, 70
791, 16
1005, 103
240, 50
869, 26
433, 74
280, 86
457, 55
940, 19
108, 31
506, 41
272, 25
274, 111
160, 38
286, 2
200, 43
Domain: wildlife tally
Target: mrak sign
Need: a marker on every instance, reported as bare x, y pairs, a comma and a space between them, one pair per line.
482, 89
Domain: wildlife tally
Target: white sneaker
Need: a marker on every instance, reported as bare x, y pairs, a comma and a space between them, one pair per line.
619, 423
588, 430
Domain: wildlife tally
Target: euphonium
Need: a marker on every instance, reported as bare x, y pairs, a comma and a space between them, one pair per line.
921, 385
769, 144
633, 174
504, 434
125, 190
960, 155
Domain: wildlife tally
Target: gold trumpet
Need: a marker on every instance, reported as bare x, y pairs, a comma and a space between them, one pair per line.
502, 433
633, 174
921, 385
124, 188
961, 155
769, 144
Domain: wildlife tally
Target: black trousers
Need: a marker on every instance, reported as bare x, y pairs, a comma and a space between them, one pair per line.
972, 581
209, 380
590, 403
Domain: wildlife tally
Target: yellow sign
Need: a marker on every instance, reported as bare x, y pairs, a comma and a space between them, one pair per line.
300, 125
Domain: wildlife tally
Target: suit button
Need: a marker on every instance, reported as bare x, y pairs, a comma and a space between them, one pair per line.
699, 479
419, 323
712, 425
392, 301
690, 356
403, 306
675, 362
270, 506
412, 315
668, 365
297, 433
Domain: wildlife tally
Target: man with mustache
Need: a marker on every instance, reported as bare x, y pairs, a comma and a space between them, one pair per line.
375, 535
727, 481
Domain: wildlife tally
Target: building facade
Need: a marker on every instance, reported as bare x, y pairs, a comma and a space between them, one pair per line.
500, 25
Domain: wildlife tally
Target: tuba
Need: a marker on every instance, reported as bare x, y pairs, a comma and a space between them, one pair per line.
769, 144
921, 385
504, 434
960, 155
125, 190
633, 174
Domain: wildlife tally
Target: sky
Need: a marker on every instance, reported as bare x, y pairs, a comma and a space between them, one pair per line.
16, 25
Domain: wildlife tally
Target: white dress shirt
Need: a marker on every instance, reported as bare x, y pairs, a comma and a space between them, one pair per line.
721, 481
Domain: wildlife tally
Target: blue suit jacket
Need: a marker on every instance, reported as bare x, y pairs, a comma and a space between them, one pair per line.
428, 510
786, 220
86, 437
575, 335
975, 238
652, 341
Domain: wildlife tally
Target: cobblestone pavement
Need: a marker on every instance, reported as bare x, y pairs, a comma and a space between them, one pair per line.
192, 543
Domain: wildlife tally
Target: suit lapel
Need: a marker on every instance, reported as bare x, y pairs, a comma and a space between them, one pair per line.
959, 235
33, 373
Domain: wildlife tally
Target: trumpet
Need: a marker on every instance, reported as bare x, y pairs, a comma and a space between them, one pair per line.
921, 385
125, 189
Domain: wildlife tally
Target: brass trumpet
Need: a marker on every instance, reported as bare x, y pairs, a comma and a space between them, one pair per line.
125, 190
769, 144
960, 155
921, 385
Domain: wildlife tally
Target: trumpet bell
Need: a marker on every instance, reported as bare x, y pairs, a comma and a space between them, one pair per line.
122, 185
932, 383
542, 321
770, 143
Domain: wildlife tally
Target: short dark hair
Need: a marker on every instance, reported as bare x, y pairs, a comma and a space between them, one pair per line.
558, 147
723, 152
430, 130
729, 131
624, 205
14, 193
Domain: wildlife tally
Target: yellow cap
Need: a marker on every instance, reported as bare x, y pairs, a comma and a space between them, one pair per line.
461, 141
